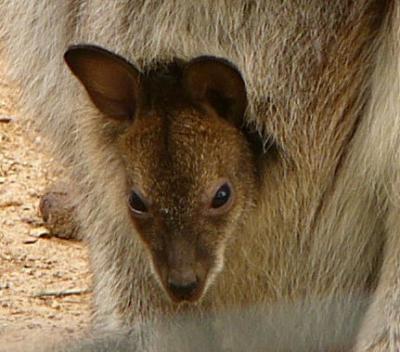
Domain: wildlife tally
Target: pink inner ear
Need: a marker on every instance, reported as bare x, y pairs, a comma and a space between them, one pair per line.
111, 82
218, 84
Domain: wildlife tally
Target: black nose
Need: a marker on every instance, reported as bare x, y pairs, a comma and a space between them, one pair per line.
183, 291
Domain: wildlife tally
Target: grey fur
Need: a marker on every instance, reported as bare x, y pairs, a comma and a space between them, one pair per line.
323, 82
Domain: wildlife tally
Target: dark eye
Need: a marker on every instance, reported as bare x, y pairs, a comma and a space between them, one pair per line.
221, 196
137, 204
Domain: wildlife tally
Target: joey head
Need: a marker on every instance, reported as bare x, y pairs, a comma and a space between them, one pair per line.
190, 163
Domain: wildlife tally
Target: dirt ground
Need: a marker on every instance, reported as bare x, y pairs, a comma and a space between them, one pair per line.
34, 272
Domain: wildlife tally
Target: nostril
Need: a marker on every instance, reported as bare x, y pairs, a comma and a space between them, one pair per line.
182, 290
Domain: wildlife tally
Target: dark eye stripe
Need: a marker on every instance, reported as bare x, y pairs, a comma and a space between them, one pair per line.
221, 196
136, 203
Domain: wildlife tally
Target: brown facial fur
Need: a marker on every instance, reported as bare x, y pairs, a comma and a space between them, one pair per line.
173, 158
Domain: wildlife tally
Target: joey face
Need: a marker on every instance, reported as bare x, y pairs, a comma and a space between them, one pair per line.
188, 190
190, 169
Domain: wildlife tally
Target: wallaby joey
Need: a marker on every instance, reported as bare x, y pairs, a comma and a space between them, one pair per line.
171, 184
190, 165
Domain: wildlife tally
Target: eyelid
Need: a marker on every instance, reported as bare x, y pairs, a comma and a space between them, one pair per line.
210, 194
224, 188
136, 202
211, 191
142, 195
145, 201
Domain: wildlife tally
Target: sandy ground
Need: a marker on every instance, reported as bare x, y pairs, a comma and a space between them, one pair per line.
33, 270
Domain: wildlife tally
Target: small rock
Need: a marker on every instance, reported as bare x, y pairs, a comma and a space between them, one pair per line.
30, 241
6, 119
58, 274
28, 271
31, 221
55, 305
39, 232
10, 203
21, 257
4, 286
34, 193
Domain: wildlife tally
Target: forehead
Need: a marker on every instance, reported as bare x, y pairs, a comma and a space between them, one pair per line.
184, 147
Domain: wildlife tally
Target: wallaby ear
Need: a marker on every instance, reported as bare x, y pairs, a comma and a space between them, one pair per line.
111, 82
216, 83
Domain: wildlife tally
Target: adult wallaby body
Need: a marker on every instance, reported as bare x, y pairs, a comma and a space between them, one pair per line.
312, 256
